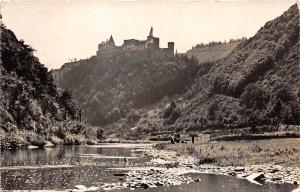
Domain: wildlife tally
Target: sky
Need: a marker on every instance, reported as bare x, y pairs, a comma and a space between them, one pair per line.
60, 30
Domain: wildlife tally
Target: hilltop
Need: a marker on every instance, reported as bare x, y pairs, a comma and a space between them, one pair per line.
32, 109
119, 81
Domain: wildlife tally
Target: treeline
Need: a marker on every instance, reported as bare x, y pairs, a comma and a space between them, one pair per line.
31, 103
30, 76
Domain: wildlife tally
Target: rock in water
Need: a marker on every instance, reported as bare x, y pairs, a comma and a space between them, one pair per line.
49, 144
145, 185
239, 169
254, 177
80, 187
93, 188
120, 174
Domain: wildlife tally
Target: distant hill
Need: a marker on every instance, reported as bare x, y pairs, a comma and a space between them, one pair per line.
32, 108
213, 51
256, 84
110, 86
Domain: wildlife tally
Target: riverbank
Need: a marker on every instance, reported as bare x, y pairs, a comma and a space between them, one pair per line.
30, 139
277, 159
69, 132
125, 167
174, 165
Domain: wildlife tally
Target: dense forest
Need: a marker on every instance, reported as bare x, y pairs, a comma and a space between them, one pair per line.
110, 86
32, 108
256, 84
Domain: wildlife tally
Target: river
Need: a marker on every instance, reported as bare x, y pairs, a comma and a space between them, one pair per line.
63, 167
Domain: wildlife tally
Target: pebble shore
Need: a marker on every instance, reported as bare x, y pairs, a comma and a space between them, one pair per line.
167, 168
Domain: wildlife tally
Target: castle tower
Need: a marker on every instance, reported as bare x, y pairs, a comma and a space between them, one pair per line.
152, 42
151, 32
111, 40
108, 45
171, 47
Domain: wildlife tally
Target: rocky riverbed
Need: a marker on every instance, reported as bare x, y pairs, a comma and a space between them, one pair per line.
166, 168
271, 173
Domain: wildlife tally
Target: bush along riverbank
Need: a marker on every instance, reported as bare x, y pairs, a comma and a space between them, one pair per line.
62, 133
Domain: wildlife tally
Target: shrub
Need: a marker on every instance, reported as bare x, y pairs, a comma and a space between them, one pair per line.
69, 139
100, 133
13, 141
160, 146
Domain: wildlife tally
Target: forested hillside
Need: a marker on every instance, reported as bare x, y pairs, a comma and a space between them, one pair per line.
110, 86
32, 108
256, 84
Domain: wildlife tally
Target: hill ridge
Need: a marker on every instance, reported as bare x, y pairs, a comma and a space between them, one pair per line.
234, 90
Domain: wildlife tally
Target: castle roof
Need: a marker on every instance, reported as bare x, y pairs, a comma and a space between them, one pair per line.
151, 32
111, 40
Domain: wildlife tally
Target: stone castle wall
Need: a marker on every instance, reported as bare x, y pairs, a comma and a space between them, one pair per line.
128, 48
151, 44
161, 52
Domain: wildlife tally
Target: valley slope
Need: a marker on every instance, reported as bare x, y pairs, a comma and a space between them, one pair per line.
113, 86
213, 51
256, 84
32, 108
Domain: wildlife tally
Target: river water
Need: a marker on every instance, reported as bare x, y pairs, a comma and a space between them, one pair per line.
63, 167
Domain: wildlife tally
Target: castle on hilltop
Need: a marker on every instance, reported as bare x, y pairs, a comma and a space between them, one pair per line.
151, 44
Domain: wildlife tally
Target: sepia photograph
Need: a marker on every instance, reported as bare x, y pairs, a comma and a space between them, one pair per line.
149, 95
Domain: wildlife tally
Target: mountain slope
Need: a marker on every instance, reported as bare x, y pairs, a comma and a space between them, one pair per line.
213, 51
111, 86
31, 108
257, 83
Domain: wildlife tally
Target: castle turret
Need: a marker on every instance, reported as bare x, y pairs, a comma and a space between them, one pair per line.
111, 40
171, 47
152, 42
107, 46
151, 32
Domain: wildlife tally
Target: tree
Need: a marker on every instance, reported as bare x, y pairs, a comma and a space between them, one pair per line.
100, 133
66, 100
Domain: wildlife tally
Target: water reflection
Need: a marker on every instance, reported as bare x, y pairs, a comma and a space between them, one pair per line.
215, 183
55, 156
32, 171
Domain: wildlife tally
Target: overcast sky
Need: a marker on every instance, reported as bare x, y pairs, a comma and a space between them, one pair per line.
60, 30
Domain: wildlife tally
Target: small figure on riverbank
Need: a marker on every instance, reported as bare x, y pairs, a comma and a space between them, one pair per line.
125, 161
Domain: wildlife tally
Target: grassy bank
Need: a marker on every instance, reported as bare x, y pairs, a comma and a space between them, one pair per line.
284, 152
